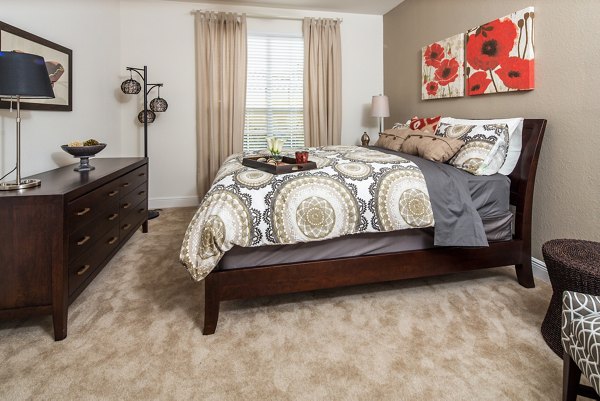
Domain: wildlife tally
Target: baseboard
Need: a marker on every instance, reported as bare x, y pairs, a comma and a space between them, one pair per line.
165, 203
539, 270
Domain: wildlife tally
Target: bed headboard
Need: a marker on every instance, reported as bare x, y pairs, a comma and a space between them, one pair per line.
522, 179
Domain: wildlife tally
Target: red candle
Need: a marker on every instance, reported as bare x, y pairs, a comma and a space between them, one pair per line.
301, 157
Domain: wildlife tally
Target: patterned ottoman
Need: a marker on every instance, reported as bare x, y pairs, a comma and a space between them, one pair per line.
581, 342
573, 265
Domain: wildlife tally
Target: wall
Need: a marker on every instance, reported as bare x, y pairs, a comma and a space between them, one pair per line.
161, 35
96, 113
567, 194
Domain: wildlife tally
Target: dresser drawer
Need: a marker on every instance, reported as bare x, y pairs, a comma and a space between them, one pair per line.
137, 195
132, 180
81, 268
87, 207
84, 238
131, 221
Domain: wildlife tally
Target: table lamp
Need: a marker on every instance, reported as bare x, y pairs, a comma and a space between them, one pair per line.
22, 76
380, 108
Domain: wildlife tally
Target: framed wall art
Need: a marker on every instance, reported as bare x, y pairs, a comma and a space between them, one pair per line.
500, 54
442, 68
59, 62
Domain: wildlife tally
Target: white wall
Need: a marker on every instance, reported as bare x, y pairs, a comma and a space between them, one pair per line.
106, 36
161, 36
91, 30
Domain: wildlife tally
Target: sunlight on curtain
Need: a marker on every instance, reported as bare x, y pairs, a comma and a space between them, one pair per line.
322, 81
221, 90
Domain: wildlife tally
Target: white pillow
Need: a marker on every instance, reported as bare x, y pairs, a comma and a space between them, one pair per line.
515, 137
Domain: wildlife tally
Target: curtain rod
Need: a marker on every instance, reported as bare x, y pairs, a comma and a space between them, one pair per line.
274, 17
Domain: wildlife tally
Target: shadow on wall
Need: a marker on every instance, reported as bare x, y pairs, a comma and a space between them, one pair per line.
63, 158
368, 121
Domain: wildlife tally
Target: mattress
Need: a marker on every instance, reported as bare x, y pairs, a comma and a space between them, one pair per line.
491, 197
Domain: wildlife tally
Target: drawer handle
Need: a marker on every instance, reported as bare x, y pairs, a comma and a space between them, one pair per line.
141, 174
113, 216
82, 271
142, 210
126, 205
113, 193
113, 240
125, 185
84, 240
127, 226
141, 192
84, 211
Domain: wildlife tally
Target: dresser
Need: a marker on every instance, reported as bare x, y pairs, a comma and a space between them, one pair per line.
54, 239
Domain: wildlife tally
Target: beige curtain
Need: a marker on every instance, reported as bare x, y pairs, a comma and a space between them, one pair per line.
221, 90
322, 82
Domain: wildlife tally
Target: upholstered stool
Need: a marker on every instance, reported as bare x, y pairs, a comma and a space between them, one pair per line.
581, 343
573, 265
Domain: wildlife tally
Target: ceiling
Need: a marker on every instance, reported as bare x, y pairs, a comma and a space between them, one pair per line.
377, 7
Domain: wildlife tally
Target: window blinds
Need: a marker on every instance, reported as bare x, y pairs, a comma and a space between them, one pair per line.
274, 98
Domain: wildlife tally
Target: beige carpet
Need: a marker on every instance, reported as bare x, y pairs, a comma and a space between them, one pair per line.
134, 334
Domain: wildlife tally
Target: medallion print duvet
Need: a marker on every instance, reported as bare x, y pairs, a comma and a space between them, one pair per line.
353, 190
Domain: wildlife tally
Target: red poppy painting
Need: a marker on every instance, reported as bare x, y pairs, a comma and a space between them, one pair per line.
432, 88
447, 71
434, 53
442, 66
478, 83
500, 54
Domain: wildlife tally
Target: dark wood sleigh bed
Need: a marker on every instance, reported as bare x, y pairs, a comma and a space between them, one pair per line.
223, 285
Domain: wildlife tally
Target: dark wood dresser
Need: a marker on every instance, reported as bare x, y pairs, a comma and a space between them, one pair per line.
56, 238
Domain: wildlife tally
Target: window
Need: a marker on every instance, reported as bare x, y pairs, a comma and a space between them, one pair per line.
274, 98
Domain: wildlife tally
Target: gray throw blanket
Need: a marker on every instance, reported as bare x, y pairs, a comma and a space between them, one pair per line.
457, 222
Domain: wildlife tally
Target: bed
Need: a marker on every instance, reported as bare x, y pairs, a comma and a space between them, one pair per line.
367, 257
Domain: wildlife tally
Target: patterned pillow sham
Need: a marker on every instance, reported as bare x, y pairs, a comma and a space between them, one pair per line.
432, 147
401, 125
392, 138
515, 134
485, 149
421, 124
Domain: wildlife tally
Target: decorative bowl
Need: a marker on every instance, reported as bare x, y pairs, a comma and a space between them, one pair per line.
83, 153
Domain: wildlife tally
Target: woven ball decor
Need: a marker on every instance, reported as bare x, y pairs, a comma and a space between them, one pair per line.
159, 105
131, 87
149, 115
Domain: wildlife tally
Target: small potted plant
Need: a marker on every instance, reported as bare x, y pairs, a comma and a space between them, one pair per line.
275, 146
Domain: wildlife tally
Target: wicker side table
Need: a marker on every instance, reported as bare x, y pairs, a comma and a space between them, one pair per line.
573, 265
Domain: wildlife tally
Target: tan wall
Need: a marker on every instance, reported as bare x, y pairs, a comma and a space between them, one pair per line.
567, 45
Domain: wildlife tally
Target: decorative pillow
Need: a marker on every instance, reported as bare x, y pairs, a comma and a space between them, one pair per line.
421, 124
485, 146
515, 138
392, 138
401, 125
432, 147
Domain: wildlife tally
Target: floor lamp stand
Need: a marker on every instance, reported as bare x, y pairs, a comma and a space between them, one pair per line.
143, 73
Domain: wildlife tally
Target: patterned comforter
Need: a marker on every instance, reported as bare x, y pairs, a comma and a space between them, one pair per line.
354, 190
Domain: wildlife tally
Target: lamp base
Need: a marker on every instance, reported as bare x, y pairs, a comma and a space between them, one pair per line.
13, 186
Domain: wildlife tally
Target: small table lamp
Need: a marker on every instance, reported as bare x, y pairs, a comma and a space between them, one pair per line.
380, 108
22, 76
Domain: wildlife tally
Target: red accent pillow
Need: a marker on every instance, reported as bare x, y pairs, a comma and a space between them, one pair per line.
421, 124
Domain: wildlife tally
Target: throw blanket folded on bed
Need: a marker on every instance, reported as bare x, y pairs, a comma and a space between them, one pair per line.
354, 190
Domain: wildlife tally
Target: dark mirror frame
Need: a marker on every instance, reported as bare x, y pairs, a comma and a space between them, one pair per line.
32, 105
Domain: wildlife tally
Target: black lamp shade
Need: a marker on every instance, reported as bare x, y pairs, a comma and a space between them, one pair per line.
131, 87
24, 75
159, 105
149, 115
